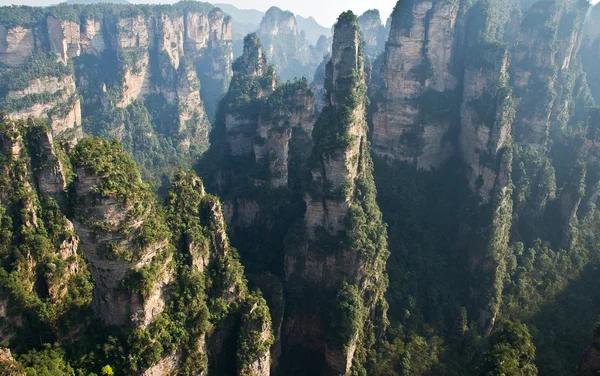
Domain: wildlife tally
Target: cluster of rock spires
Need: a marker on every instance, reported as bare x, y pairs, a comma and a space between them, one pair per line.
197, 32
469, 87
131, 254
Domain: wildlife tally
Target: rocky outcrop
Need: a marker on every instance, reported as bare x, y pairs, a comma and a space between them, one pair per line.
52, 97
50, 269
256, 333
148, 54
289, 108
374, 33
340, 187
486, 121
64, 37
9, 365
240, 121
16, 45
417, 72
543, 54
112, 227
287, 48
49, 174
590, 51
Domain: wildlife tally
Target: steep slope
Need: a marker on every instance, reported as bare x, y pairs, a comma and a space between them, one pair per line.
334, 262
482, 130
160, 283
417, 73
286, 47
374, 33
148, 76
590, 50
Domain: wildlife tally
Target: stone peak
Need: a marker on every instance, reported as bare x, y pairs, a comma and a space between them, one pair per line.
370, 16
346, 53
278, 12
277, 21
253, 59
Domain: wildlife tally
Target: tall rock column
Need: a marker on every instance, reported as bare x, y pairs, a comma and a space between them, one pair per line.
334, 264
418, 109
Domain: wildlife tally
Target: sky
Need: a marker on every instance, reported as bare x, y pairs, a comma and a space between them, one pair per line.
324, 11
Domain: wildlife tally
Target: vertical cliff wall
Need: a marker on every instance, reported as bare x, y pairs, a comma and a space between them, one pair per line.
416, 116
334, 264
286, 46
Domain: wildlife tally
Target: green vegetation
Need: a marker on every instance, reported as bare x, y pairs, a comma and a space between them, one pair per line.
48, 361
346, 317
34, 274
256, 335
39, 67
511, 352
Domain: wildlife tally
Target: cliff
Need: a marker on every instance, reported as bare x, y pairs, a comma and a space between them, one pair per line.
417, 73
374, 33
121, 261
590, 50
286, 47
340, 250
94, 68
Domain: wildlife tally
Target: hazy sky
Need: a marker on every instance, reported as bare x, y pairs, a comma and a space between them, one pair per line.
324, 11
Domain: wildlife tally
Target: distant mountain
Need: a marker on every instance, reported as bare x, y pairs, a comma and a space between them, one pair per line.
312, 29
246, 21
247, 16
85, 2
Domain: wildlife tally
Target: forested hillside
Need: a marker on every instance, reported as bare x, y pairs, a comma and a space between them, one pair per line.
416, 198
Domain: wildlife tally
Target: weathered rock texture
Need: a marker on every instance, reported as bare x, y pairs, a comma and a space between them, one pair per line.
136, 260
374, 33
114, 58
417, 113
340, 193
287, 48
543, 55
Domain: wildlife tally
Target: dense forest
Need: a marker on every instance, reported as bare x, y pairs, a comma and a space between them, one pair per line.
409, 196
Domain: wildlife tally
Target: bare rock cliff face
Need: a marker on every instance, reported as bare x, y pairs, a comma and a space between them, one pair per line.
374, 33
486, 121
112, 254
548, 42
286, 48
17, 44
417, 67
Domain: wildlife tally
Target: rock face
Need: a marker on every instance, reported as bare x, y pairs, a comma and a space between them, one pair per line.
168, 66
341, 177
51, 269
287, 48
112, 238
63, 109
417, 71
590, 51
374, 33
288, 111
535, 66
486, 121
16, 45
147, 261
